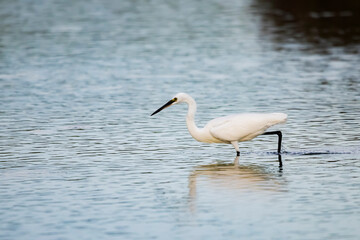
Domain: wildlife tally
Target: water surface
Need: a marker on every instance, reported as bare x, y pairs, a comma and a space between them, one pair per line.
80, 157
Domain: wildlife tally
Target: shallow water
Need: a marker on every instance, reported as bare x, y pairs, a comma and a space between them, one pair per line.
80, 157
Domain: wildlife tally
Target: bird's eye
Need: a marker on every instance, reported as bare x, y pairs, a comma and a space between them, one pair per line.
174, 99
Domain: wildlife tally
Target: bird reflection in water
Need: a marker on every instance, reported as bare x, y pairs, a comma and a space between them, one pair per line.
235, 178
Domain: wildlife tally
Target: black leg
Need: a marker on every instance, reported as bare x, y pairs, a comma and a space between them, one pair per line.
280, 162
237, 153
280, 138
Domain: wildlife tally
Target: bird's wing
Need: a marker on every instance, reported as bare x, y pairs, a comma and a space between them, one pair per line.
243, 127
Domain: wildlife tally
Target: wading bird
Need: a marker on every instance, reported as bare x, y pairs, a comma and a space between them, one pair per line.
230, 129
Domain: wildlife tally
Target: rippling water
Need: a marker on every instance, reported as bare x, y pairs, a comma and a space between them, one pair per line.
80, 157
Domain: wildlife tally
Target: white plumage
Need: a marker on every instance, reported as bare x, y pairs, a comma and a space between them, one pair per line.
243, 127
230, 129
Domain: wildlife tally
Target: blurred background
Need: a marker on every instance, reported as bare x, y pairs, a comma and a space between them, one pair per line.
81, 158
321, 23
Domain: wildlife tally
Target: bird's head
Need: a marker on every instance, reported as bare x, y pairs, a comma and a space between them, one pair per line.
178, 98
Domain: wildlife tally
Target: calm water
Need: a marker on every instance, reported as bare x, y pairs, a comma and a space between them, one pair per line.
80, 157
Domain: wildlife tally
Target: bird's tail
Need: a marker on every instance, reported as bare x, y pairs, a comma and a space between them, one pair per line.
279, 117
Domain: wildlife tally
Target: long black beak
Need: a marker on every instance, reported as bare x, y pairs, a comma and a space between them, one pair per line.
168, 104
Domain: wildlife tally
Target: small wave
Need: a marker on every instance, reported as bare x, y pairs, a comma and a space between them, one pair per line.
312, 152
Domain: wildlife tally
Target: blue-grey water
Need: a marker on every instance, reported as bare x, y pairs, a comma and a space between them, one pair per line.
81, 158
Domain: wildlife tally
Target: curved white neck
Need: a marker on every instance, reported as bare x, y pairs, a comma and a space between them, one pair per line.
190, 119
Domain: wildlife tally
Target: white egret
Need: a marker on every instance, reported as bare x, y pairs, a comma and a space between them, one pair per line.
230, 129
